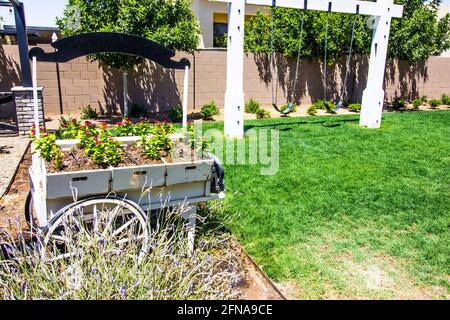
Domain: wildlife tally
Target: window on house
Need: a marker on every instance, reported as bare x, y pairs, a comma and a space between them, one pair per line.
220, 29
220, 34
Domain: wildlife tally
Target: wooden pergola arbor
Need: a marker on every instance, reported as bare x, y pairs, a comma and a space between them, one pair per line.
373, 96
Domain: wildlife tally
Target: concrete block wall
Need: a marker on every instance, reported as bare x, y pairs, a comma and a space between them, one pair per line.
76, 84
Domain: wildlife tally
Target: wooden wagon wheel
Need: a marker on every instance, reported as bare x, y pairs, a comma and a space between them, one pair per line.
106, 218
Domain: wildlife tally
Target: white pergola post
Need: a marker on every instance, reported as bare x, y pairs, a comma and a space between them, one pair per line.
234, 94
373, 96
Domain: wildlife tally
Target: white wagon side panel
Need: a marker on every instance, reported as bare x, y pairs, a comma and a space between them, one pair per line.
81, 183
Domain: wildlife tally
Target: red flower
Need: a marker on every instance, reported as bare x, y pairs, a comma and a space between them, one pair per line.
33, 131
74, 120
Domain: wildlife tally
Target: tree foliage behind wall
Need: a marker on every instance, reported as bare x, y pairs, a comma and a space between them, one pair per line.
169, 23
414, 37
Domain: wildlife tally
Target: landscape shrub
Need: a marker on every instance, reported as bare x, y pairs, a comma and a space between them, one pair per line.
262, 114
445, 99
354, 107
312, 110
88, 113
398, 103
417, 103
209, 110
434, 103
252, 106
176, 113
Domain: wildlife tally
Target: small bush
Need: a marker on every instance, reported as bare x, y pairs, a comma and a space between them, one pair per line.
398, 103
89, 113
424, 99
284, 107
355, 107
445, 99
208, 110
417, 103
434, 103
312, 110
262, 114
252, 106
137, 110
176, 113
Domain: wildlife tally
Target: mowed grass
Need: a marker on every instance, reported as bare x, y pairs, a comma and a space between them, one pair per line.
352, 212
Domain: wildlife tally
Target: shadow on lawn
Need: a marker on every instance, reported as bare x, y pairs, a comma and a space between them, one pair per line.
325, 123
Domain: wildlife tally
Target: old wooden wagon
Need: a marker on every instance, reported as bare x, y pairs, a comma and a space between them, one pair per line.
127, 195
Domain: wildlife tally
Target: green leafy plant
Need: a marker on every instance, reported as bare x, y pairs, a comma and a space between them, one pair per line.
262, 114
176, 113
312, 110
137, 110
48, 148
209, 110
434, 103
88, 113
445, 99
142, 128
252, 106
124, 128
424, 99
355, 107
159, 143
398, 103
416, 36
170, 23
417, 103
102, 149
198, 144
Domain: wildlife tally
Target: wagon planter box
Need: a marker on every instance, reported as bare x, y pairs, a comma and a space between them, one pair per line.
139, 187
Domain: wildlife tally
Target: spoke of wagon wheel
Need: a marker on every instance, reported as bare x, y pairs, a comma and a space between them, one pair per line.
126, 240
110, 220
95, 214
124, 226
60, 238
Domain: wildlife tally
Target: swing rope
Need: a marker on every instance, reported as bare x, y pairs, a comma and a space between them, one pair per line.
272, 61
325, 60
347, 66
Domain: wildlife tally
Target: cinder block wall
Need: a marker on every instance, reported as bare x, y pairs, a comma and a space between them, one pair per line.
83, 83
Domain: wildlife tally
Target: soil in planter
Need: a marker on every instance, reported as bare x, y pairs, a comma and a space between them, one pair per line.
76, 160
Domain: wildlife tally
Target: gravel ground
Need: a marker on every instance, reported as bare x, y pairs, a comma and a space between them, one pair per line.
11, 152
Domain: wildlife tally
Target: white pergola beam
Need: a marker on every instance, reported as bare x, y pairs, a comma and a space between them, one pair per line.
341, 6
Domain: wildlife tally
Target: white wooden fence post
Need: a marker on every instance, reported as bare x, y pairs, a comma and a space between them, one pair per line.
373, 95
125, 93
185, 95
234, 94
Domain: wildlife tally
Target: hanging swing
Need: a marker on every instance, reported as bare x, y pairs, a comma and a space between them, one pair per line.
290, 105
347, 64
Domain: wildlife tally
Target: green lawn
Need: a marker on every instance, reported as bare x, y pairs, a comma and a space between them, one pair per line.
352, 212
